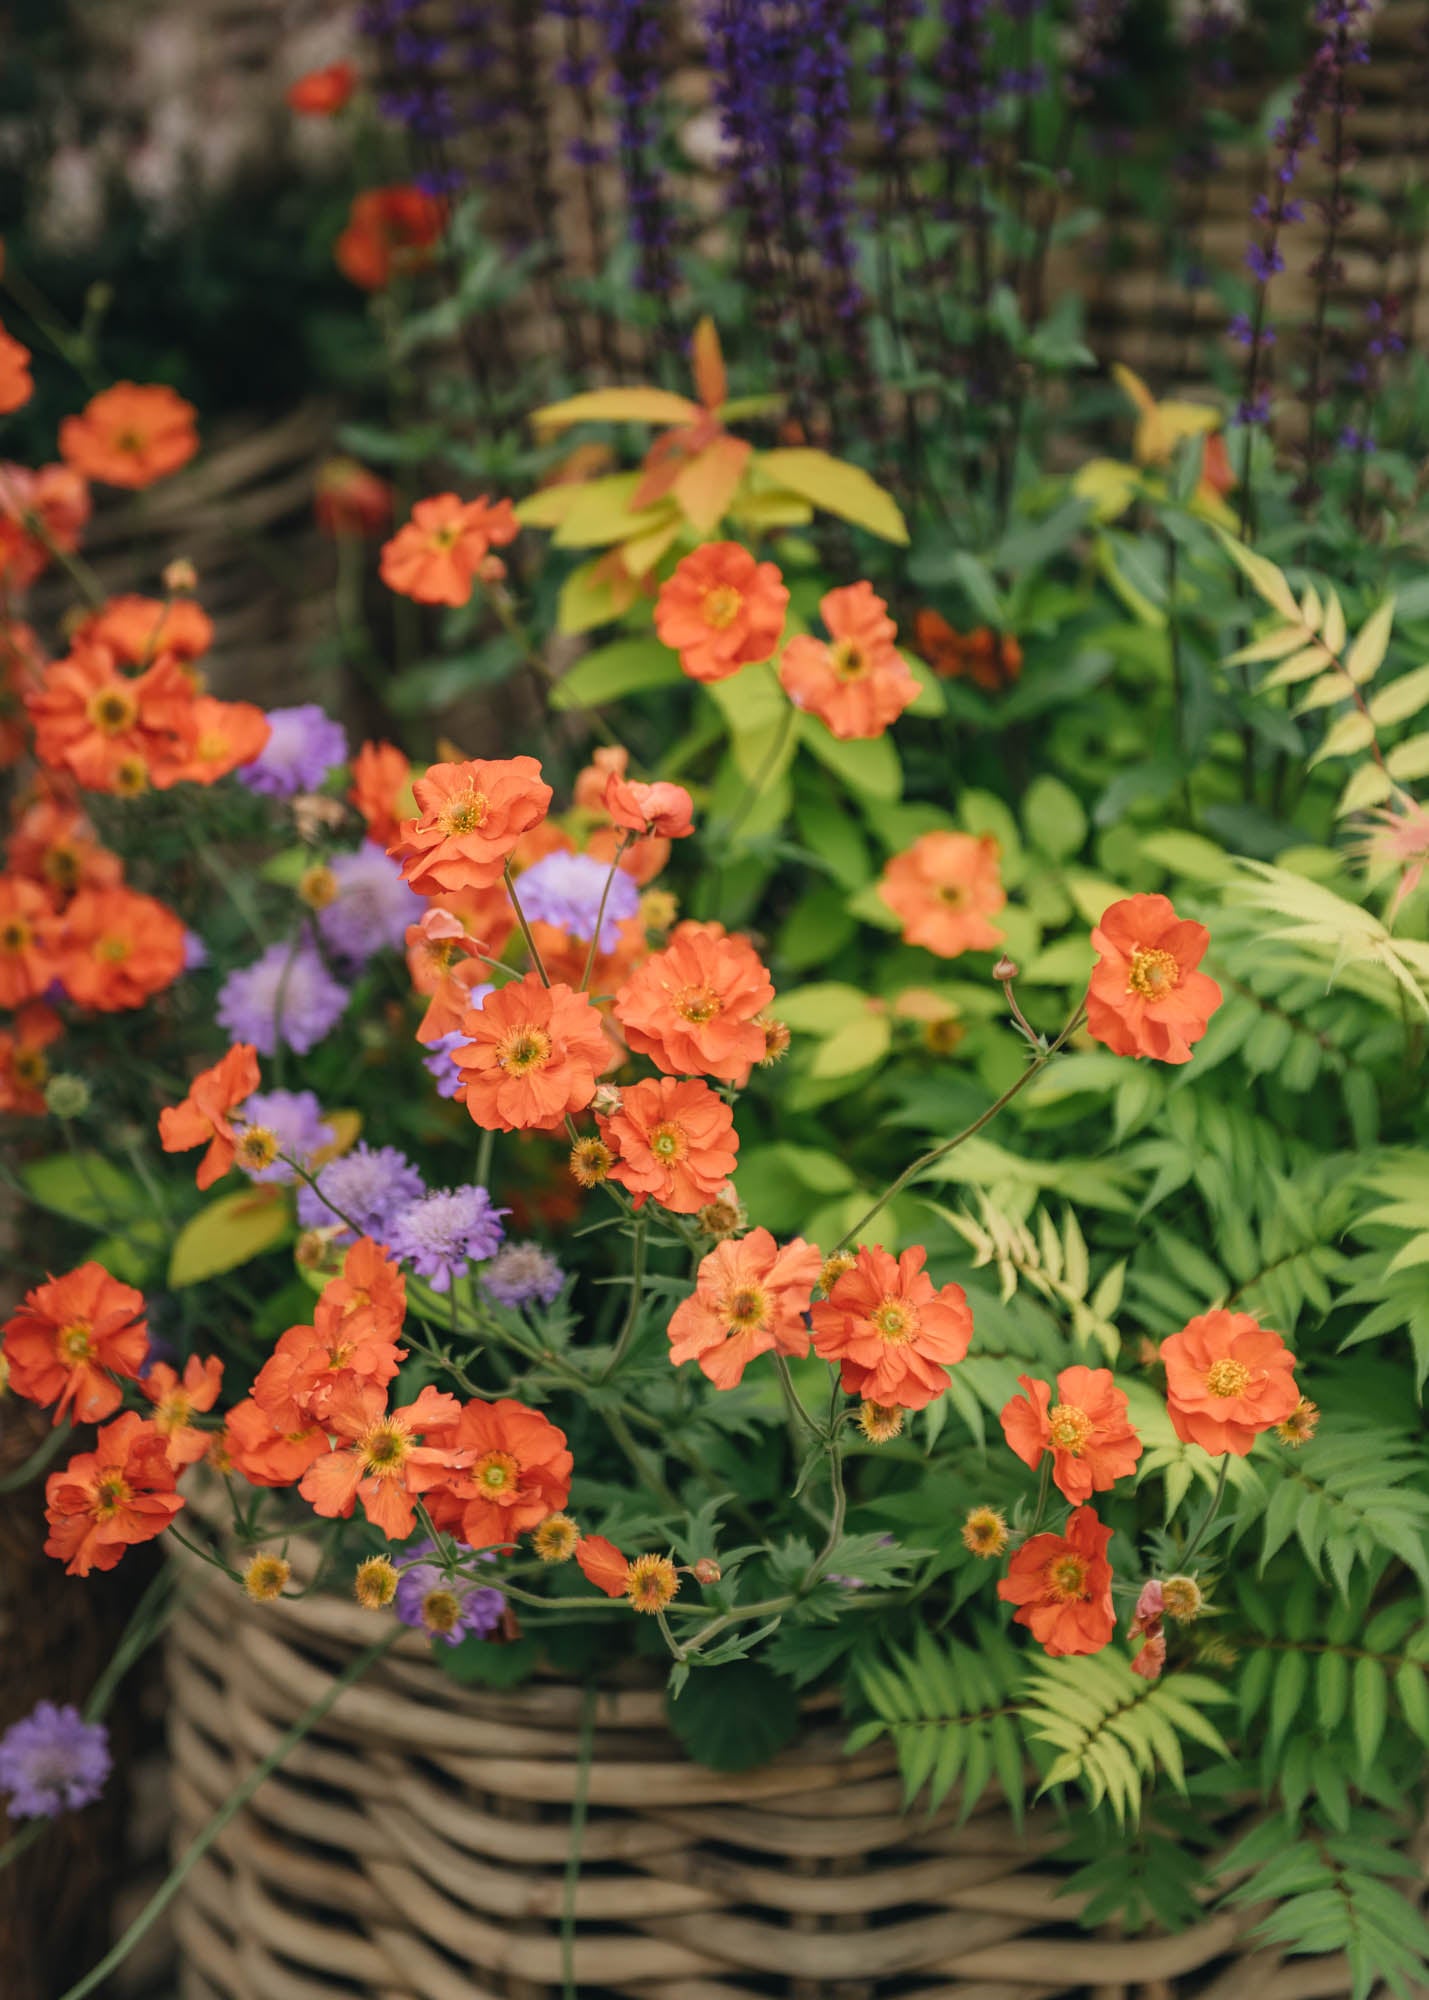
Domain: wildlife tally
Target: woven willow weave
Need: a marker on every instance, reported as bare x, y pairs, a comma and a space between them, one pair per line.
415, 1848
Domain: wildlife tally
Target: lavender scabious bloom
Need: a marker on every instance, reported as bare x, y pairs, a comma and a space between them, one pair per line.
439, 1061
52, 1761
304, 745
368, 1187
566, 890
295, 1119
443, 1233
288, 996
445, 1607
523, 1274
372, 908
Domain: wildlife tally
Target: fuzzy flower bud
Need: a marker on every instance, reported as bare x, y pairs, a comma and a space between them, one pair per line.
1181, 1598
179, 576
591, 1162
776, 1040
984, 1532
67, 1096
317, 886
880, 1422
834, 1268
706, 1570
1298, 1428
1005, 969
555, 1538
375, 1584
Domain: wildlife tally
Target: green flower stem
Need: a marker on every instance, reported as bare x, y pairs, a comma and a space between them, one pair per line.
925, 1160
621, 846
231, 1807
637, 1288
539, 967
792, 1401
1211, 1512
505, 610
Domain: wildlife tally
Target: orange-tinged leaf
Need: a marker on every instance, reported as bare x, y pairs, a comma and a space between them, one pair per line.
708, 484
707, 362
617, 406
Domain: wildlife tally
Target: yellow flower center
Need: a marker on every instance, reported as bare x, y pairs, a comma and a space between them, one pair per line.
667, 1142
257, 1147
497, 1473
464, 814
113, 949
951, 893
317, 887
211, 746
445, 537
112, 710
895, 1320
721, 606
1227, 1377
384, 1451
131, 777
440, 1611
30, 1067
61, 868
130, 441
650, 1582
15, 934
111, 1494
523, 1050
1152, 973
697, 1004
1071, 1428
75, 1341
850, 662
745, 1308
1066, 1578
173, 1413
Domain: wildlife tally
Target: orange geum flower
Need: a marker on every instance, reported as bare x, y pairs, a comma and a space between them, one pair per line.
381, 790
469, 819
379, 1458
859, 682
264, 1454
70, 1337
532, 1057
28, 942
1146, 997
943, 889
515, 1472
138, 629
176, 1398
369, 1300
224, 735
1086, 1430
649, 1581
348, 499
203, 1117
96, 721
660, 808
1061, 1585
893, 1331
720, 610
119, 949
40, 512
674, 1141
750, 1296
389, 229
320, 92
130, 435
445, 961
1227, 1379
54, 845
24, 1066
307, 1368
108, 1499
16, 384
437, 557
693, 1007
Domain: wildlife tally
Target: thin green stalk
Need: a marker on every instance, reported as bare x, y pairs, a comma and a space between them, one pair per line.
637, 1287
229, 1810
1211, 1512
926, 1160
621, 846
536, 961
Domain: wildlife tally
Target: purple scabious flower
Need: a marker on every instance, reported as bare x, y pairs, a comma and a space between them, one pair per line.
523, 1274
304, 745
442, 1234
439, 1060
286, 996
52, 1761
372, 908
195, 952
368, 1187
295, 1119
566, 890
451, 1608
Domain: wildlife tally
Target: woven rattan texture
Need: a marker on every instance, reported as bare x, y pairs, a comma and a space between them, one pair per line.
415, 1848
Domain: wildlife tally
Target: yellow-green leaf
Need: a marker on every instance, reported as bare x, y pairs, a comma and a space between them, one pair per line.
617, 406
1367, 787
601, 513
1333, 631
821, 1009
1402, 698
587, 598
626, 666
1346, 738
1364, 658
1265, 579
763, 512
837, 487
1299, 667
1328, 688
1188, 854
1409, 760
228, 1233
855, 1046
866, 764
548, 506
1273, 646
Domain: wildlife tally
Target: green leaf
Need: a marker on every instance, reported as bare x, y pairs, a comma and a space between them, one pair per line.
837, 487
626, 666
822, 1009
229, 1232
84, 1187
1364, 658
1188, 854
1409, 760
638, 405
1053, 816
867, 765
1401, 698
855, 1046
736, 1716
1370, 1706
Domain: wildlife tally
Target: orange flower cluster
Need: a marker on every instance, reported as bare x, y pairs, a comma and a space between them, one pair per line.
16, 383
110, 949
42, 515
202, 1119
990, 660
322, 92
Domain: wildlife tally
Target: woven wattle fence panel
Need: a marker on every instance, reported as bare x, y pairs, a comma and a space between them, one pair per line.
416, 1847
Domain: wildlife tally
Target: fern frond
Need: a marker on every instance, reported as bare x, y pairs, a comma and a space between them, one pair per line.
951, 1715
1113, 1730
1350, 941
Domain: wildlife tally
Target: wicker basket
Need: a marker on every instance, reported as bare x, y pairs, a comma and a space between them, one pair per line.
415, 1847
